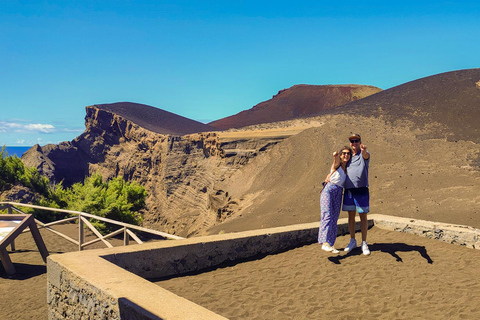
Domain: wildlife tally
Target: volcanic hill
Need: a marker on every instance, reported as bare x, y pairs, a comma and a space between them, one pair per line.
297, 102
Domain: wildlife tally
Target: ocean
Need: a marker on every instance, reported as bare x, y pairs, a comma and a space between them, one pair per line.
16, 150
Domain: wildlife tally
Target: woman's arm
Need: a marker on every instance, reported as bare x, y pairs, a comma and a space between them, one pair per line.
335, 165
336, 161
327, 179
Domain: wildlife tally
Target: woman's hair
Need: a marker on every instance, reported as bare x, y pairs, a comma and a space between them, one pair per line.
340, 153
345, 148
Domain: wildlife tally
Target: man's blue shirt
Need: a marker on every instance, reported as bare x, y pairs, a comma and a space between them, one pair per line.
357, 171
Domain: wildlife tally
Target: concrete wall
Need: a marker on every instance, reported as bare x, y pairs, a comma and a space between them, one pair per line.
111, 283
207, 252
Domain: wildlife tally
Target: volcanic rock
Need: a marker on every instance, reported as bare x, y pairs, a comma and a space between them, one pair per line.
19, 193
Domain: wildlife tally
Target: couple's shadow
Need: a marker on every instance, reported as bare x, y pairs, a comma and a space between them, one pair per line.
390, 248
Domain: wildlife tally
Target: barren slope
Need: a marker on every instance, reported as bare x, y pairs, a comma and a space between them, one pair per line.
424, 141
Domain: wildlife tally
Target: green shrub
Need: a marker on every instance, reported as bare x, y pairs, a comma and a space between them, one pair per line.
13, 171
115, 199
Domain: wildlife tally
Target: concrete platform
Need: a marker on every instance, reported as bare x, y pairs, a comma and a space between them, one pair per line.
111, 283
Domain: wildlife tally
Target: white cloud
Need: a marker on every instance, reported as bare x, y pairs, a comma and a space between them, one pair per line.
38, 127
72, 130
8, 127
20, 141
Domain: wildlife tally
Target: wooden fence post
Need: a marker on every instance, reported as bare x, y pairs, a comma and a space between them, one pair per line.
126, 237
10, 211
81, 237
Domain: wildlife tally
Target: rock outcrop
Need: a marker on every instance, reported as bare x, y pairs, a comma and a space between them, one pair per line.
19, 193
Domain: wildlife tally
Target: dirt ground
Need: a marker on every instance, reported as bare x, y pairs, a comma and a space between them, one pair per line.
405, 277
24, 295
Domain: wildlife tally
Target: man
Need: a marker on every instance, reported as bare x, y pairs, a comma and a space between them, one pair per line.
356, 196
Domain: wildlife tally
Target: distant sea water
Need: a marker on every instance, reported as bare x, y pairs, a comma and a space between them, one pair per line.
15, 150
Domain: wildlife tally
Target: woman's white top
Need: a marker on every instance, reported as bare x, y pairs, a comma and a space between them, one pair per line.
338, 177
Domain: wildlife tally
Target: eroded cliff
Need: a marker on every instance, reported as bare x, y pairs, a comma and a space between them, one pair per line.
180, 173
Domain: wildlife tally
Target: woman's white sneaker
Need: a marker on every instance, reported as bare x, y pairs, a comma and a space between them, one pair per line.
329, 248
365, 249
352, 245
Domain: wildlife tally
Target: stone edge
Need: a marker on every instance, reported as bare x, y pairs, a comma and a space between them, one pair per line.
451, 233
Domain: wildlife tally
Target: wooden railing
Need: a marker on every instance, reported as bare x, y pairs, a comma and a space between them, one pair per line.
82, 218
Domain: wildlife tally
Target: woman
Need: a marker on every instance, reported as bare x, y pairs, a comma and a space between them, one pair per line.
331, 199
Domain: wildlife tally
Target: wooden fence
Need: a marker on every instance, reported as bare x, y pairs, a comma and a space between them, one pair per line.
82, 219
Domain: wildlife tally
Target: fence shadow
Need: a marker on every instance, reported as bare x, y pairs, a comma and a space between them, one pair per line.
24, 271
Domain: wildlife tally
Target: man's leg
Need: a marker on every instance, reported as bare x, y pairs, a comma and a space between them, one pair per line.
351, 228
363, 225
351, 223
349, 205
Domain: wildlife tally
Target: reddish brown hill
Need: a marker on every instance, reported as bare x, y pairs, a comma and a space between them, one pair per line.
296, 102
154, 119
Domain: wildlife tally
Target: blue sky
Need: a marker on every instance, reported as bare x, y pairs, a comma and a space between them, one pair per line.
209, 59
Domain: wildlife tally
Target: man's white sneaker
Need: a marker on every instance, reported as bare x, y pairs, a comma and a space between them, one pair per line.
329, 248
365, 249
352, 245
